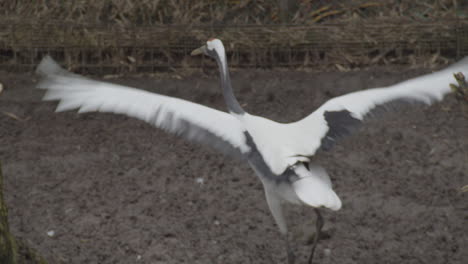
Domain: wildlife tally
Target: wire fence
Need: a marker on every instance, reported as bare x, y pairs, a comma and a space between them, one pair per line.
99, 49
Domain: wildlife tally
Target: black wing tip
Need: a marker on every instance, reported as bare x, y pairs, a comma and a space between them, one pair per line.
340, 124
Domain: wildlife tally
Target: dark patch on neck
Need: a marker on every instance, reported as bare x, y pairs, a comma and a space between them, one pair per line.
340, 124
231, 101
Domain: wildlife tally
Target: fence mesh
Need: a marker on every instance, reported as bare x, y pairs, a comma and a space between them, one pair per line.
137, 49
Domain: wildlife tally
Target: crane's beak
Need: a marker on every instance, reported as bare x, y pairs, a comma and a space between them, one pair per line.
200, 50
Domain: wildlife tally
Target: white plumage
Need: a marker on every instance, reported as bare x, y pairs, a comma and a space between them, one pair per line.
279, 153
168, 113
280, 142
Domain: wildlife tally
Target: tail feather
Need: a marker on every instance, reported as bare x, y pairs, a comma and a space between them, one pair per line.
314, 189
313, 192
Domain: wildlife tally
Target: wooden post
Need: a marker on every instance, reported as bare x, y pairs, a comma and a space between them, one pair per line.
8, 253
13, 251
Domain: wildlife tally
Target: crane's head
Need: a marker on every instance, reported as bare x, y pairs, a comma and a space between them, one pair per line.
213, 48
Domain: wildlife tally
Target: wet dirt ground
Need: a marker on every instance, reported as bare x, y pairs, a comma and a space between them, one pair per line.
116, 190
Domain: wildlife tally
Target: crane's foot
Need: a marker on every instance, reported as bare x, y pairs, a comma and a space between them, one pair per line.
318, 226
291, 258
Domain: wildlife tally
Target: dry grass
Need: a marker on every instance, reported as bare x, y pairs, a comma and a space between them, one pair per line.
134, 36
227, 12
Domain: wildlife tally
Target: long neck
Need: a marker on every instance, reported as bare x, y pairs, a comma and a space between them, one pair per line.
231, 101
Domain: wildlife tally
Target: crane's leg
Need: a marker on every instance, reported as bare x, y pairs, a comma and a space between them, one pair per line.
318, 227
274, 203
289, 251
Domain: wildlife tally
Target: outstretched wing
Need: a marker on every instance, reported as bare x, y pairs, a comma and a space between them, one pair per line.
339, 116
192, 121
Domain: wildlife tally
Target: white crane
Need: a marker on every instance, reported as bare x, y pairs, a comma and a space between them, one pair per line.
280, 154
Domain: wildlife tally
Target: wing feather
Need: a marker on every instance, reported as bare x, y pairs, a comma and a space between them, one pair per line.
190, 120
339, 116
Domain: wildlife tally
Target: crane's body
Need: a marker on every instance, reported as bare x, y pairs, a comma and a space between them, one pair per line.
280, 154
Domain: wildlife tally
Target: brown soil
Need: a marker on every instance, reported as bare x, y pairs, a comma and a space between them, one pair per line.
116, 190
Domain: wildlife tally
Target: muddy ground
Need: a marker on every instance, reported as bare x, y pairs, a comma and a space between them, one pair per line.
116, 190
